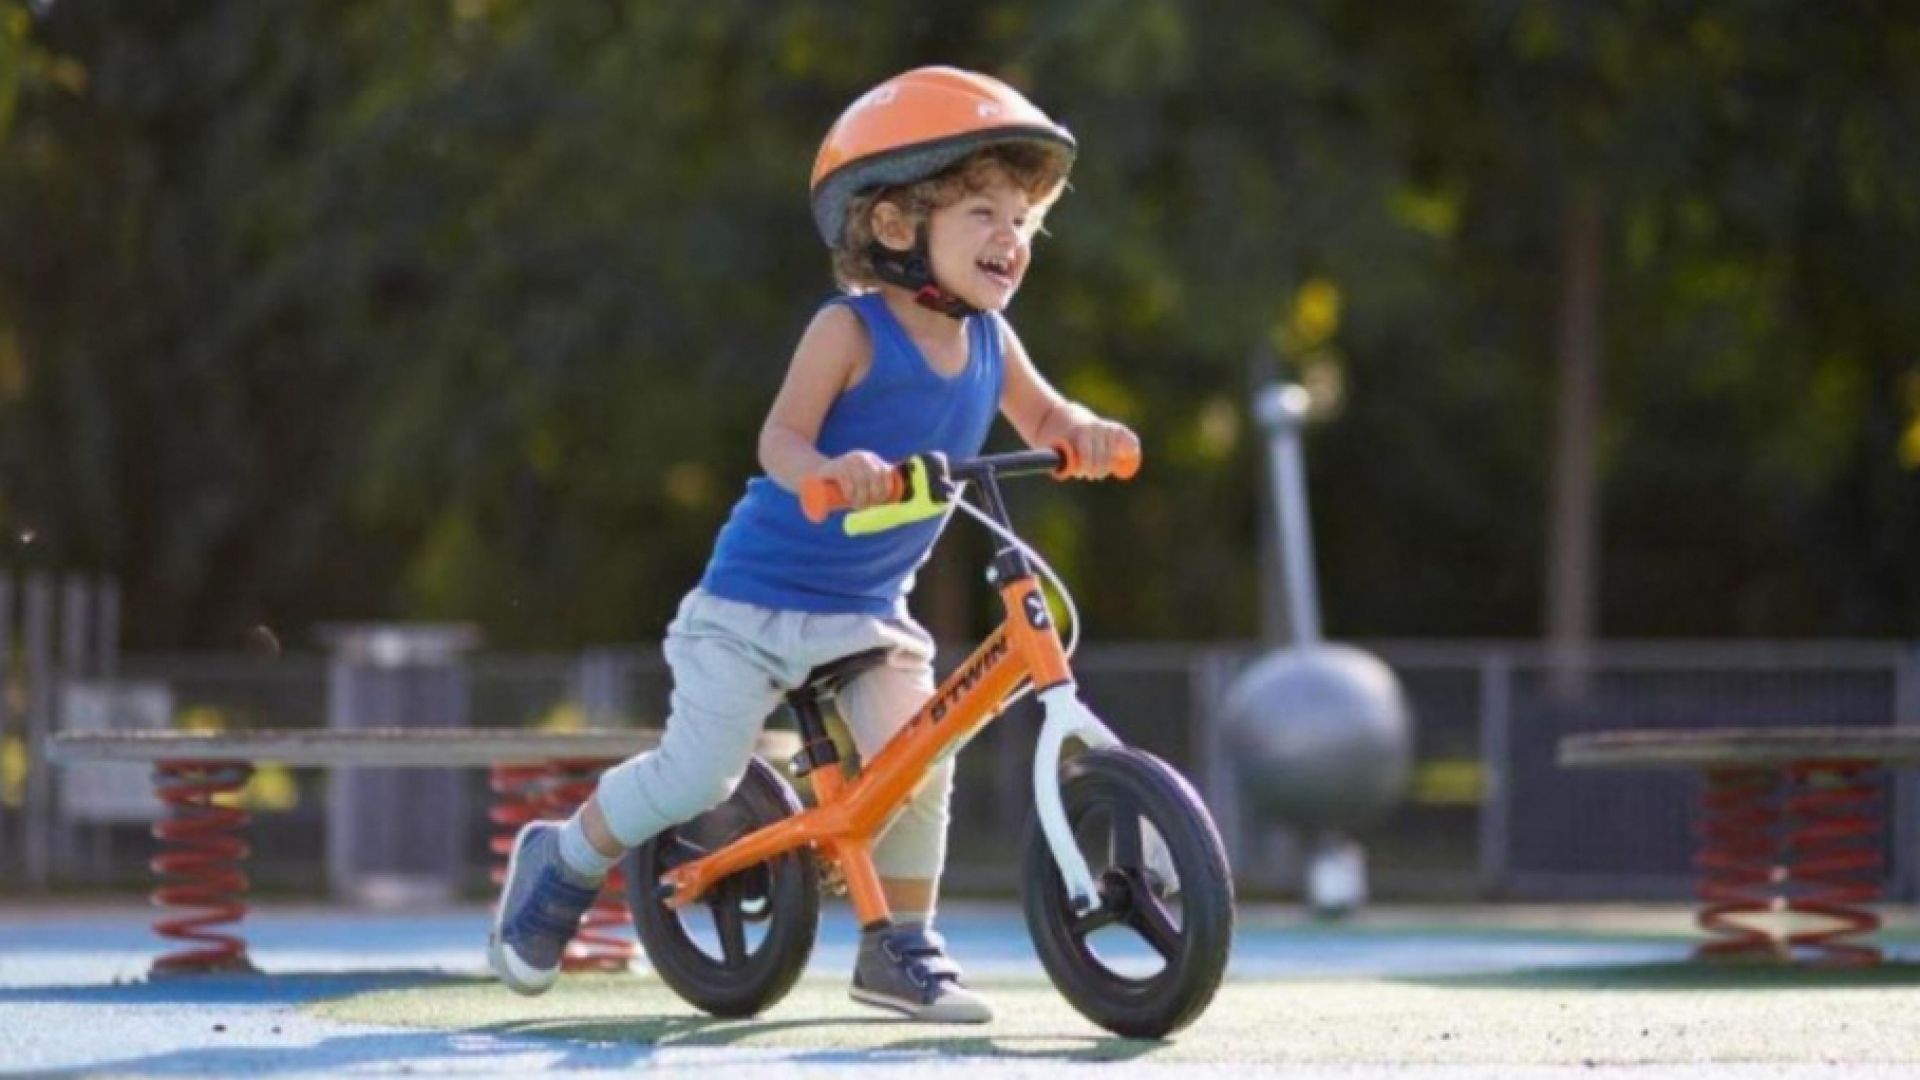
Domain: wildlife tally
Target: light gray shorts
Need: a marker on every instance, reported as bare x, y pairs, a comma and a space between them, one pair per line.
732, 663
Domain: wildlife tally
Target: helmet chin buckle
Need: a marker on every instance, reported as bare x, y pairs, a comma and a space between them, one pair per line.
934, 298
913, 271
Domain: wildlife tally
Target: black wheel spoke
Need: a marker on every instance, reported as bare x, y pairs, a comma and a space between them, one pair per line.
732, 929
1104, 915
1150, 919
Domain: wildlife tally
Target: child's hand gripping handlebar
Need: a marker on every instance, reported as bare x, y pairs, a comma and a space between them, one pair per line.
919, 488
923, 485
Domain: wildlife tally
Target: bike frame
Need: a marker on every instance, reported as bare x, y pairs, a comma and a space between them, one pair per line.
851, 814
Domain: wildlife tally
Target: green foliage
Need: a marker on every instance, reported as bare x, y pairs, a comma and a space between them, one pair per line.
320, 310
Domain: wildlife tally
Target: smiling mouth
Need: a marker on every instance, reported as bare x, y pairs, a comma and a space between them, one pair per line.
996, 268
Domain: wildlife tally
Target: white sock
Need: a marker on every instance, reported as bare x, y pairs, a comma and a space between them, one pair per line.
902, 917
579, 855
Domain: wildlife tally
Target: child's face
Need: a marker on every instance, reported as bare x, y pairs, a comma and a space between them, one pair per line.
982, 244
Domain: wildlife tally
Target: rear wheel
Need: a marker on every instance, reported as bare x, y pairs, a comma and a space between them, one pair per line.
1147, 961
739, 948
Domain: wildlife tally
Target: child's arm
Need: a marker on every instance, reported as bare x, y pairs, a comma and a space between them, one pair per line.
832, 356
1043, 417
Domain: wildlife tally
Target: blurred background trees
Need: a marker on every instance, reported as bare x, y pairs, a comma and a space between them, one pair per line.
323, 309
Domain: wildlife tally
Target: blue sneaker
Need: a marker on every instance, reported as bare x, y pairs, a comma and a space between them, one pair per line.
541, 902
906, 969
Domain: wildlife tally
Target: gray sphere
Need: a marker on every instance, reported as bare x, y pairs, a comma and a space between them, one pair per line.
1320, 736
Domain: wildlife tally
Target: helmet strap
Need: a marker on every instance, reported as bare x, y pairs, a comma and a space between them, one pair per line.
912, 270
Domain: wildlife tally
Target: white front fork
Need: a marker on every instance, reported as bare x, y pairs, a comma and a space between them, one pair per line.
1066, 717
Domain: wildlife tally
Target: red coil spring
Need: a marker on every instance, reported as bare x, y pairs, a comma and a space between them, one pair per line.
1834, 856
1736, 860
551, 792
200, 852
1804, 840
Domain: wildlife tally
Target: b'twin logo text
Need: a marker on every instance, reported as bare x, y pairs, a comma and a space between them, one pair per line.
968, 680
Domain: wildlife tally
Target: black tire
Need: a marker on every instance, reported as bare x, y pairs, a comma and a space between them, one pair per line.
725, 970
1189, 939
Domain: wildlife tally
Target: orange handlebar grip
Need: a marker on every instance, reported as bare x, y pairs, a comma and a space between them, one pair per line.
820, 496
1069, 461
1125, 464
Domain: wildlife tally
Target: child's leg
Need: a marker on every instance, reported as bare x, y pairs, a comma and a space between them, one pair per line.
723, 692
904, 967
587, 843
909, 857
724, 687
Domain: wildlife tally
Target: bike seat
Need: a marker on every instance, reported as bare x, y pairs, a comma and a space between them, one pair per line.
827, 679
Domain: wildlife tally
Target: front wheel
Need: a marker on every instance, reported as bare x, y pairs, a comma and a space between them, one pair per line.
741, 946
1147, 962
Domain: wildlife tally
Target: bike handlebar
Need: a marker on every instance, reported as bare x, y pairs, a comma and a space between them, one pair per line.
820, 496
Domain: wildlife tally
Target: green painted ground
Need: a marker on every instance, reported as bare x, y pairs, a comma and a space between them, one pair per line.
1665, 1013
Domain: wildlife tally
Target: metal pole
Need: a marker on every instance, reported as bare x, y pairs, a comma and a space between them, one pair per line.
1282, 411
75, 606
7, 719
40, 704
1213, 673
75, 599
1496, 759
106, 626
1904, 879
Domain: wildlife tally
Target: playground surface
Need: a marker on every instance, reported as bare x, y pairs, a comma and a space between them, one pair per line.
1532, 991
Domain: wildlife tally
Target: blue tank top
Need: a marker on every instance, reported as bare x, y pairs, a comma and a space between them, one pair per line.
769, 554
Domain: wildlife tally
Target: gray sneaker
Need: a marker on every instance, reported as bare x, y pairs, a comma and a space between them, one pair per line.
906, 969
541, 902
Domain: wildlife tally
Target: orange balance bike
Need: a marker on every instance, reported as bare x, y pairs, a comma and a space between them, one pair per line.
1126, 889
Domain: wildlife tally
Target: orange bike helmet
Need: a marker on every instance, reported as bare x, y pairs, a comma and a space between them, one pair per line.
912, 126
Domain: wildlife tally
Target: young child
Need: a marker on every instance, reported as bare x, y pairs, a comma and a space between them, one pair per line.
929, 190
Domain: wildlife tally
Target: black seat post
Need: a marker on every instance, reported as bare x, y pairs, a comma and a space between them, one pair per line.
816, 746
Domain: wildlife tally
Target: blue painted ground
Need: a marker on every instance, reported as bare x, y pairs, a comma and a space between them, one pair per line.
75, 999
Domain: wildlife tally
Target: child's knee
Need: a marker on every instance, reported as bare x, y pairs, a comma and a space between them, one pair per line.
928, 808
915, 845
639, 799
936, 791
695, 795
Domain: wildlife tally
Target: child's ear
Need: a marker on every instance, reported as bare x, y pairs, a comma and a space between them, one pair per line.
892, 226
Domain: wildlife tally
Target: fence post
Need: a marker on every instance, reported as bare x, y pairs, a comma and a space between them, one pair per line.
36, 842
1264, 855
73, 663
1218, 785
106, 627
1496, 758
600, 685
7, 722
1904, 881
74, 643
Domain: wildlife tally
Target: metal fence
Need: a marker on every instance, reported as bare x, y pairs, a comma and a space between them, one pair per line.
54, 628
1489, 814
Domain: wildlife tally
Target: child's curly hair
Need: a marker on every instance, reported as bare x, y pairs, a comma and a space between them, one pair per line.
1039, 169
